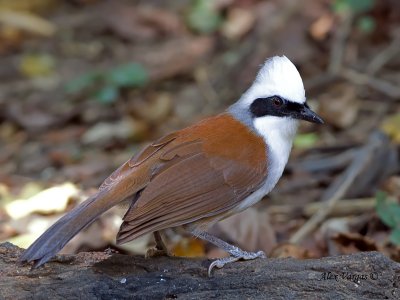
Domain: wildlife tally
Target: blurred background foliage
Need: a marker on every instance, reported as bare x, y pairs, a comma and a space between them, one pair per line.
86, 83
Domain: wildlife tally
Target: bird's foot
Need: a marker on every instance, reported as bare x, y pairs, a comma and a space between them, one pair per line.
236, 255
154, 252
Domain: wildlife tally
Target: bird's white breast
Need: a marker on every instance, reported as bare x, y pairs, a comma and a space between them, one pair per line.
278, 133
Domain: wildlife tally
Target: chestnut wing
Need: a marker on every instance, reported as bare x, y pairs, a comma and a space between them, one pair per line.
187, 185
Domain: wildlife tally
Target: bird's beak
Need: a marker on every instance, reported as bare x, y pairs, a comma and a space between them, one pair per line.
307, 114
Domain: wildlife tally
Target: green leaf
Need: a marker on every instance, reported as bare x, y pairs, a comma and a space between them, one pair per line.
107, 95
388, 212
130, 75
366, 24
395, 236
203, 18
382, 209
305, 140
356, 6
81, 83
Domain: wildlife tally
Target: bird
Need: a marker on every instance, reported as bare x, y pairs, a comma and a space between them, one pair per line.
199, 175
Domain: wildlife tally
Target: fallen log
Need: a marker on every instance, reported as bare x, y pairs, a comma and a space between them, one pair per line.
367, 275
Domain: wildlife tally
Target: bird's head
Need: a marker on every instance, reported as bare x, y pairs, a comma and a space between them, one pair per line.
276, 98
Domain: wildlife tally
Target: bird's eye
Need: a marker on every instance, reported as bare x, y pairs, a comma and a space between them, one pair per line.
277, 101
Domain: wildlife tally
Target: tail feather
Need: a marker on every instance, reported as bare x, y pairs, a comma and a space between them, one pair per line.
55, 238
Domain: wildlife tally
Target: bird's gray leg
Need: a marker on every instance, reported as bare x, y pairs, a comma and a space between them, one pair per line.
160, 249
235, 252
159, 242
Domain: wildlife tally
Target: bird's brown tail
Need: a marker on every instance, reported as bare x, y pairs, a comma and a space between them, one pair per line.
55, 238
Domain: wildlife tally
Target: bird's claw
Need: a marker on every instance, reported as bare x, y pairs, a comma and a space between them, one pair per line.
253, 255
219, 263
244, 255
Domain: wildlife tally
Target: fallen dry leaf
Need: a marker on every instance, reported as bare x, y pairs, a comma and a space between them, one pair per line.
102, 133
329, 229
52, 200
348, 242
153, 108
320, 28
239, 22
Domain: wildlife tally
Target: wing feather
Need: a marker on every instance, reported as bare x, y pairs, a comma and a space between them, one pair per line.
193, 175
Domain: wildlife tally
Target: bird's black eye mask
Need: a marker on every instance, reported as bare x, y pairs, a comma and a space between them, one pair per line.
279, 107
275, 106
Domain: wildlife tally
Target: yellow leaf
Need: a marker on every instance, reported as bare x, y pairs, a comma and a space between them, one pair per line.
391, 126
189, 248
37, 65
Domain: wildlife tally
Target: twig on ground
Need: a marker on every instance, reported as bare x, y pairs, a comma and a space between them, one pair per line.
384, 57
326, 163
338, 188
339, 43
341, 208
344, 207
320, 81
380, 85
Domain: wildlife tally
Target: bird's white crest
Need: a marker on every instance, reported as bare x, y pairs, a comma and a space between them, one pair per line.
278, 76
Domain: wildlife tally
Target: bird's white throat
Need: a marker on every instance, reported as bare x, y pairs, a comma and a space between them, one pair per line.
278, 134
